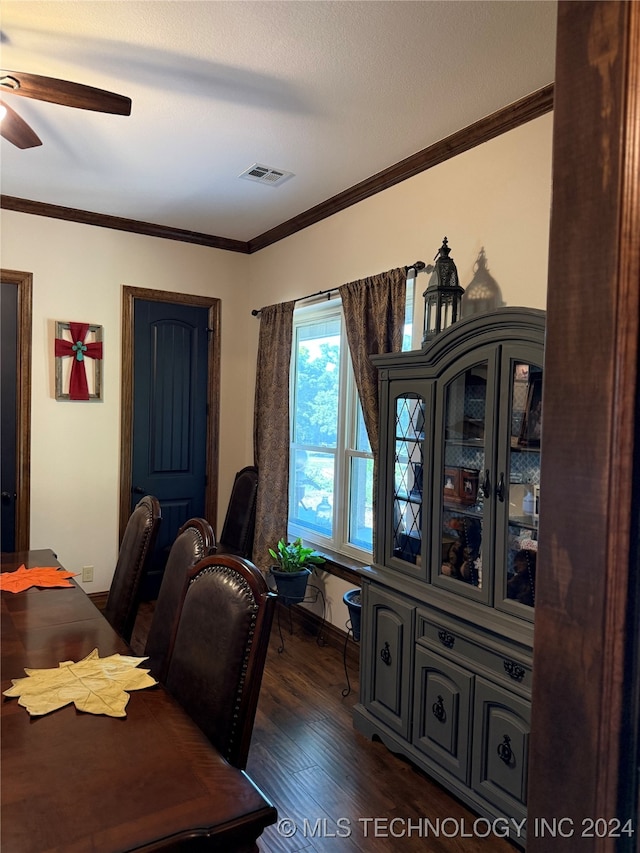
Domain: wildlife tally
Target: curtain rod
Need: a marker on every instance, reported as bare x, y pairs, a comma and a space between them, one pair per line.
419, 266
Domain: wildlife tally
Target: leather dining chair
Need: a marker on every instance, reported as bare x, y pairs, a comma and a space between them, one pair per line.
137, 543
240, 520
195, 540
219, 652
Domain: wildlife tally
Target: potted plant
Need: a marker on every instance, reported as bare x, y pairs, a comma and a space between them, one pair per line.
353, 599
293, 566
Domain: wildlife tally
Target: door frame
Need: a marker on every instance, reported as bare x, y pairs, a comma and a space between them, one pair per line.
24, 282
129, 295
585, 737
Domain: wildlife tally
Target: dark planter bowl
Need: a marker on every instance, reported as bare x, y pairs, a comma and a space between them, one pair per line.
291, 586
352, 599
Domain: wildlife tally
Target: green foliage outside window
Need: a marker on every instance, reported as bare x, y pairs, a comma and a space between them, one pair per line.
316, 400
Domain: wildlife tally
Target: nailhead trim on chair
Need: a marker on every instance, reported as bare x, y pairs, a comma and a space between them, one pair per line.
226, 570
149, 527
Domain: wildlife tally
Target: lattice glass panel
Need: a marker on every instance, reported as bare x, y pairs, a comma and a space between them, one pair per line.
408, 465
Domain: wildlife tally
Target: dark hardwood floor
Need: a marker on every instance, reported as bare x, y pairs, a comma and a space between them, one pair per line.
329, 783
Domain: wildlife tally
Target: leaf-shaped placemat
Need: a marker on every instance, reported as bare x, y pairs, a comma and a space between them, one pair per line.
94, 684
22, 578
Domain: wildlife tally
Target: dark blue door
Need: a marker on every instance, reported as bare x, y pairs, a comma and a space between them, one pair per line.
8, 410
169, 418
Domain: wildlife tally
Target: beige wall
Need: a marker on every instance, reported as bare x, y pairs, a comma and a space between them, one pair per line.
496, 196
78, 274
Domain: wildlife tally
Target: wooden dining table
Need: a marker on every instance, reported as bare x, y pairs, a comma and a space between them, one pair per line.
74, 782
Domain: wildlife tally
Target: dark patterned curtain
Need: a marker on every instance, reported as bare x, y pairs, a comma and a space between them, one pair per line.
271, 429
374, 320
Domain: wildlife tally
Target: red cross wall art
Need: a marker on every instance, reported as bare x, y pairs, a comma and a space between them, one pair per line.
78, 351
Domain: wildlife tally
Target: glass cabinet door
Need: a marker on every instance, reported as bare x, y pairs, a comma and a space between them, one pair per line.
523, 466
408, 478
465, 467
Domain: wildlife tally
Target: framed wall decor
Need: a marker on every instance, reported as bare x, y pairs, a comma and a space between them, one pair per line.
78, 354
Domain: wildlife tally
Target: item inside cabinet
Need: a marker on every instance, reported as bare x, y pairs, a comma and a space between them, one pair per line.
469, 485
531, 429
463, 561
460, 486
522, 585
451, 485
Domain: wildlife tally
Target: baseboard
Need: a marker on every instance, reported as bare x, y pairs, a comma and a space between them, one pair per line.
99, 599
301, 617
312, 624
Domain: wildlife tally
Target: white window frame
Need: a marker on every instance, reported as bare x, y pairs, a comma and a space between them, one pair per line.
346, 437
347, 421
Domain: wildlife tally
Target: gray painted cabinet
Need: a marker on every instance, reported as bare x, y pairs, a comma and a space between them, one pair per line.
448, 603
390, 626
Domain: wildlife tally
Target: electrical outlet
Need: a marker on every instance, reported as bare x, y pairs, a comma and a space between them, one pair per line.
87, 574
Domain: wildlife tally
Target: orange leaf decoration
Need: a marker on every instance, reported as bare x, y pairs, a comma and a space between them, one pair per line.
45, 576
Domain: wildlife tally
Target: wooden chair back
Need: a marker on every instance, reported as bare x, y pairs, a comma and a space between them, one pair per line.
219, 652
240, 520
194, 542
137, 543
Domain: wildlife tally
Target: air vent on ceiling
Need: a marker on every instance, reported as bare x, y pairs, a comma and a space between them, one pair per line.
265, 175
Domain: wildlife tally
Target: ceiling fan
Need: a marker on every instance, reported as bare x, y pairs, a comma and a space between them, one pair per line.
16, 130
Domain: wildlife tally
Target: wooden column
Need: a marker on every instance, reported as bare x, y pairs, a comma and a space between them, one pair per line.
584, 747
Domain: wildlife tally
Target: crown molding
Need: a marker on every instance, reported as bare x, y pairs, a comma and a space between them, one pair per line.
520, 112
134, 226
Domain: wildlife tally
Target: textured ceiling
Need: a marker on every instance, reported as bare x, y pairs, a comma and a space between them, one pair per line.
334, 92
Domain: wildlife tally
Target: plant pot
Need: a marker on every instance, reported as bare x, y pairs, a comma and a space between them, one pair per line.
291, 586
352, 599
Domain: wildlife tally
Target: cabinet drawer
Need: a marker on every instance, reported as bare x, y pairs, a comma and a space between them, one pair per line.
441, 717
476, 652
501, 726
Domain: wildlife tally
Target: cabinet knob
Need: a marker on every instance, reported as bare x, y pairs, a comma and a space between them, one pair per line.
446, 639
504, 750
385, 654
514, 670
486, 485
438, 710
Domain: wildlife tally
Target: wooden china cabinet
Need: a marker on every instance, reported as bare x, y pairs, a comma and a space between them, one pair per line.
448, 604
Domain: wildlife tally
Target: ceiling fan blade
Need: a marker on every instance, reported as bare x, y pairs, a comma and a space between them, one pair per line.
16, 130
64, 92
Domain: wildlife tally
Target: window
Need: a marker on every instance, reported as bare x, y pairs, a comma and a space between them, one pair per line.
331, 473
